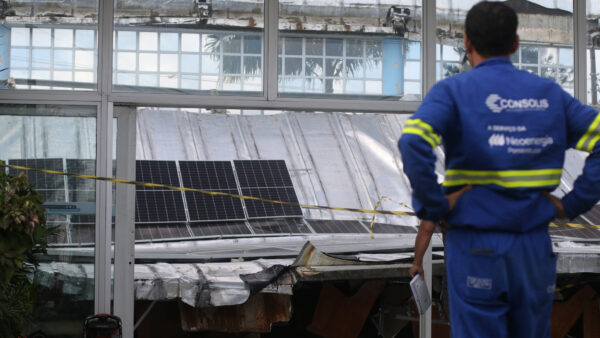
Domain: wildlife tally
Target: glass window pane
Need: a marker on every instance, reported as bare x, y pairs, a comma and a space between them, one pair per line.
19, 36
549, 56
42, 37
84, 39
314, 85
314, 67
190, 63
314, 46
84, 77
148, 41
148, 80
355, 68
63, 59
565, 56
354, 86
126, 40
334, 47
19, 57
190, 42
169, 42
190, 82
252, 65
333, 67
293, 66
168, 80
450, 53
252, 44
412, 70
40, 58
210, 64
374, 69
126, 61
413, 50
148, 62
232, 43
126, 79
63, 38
84, 59
354, 48
232, 64
169, 63
529, 54
293, 46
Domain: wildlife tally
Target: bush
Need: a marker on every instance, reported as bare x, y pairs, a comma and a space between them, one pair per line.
23, 234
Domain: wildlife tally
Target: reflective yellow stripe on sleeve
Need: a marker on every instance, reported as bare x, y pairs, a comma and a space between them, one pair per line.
505, 178
591, 136
420, 128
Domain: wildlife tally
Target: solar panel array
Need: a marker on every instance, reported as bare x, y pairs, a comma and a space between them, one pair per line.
162, 214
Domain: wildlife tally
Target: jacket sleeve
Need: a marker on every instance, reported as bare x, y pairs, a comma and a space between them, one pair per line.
583, 133
421, 134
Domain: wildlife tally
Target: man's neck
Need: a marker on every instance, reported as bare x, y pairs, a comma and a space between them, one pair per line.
476, 58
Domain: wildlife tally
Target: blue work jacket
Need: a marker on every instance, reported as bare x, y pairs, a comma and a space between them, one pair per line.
504, 131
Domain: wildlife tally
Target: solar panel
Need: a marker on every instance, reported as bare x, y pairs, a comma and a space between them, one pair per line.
213, 176
201, 229
81, 190
51, 187
161, 231
159, 172
279, 226
158, 205
336, 226
267, 179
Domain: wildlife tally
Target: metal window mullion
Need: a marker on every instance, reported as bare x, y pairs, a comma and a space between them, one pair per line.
429, 25
579, 52
105, 46
102, 267
125, 221
271, 32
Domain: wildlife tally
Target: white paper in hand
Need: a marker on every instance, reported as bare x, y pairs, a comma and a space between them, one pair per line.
420, 293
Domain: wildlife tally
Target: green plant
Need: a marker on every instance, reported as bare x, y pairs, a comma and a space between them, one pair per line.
23, 234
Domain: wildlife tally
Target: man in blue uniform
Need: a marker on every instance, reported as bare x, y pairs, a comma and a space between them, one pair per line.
504, 132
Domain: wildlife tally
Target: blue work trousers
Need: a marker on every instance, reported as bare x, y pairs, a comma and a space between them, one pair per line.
500, 284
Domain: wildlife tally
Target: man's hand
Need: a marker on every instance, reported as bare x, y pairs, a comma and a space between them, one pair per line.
560, 210
453, 197
417, 269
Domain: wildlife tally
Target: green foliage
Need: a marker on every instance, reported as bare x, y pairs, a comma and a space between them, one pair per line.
23, 233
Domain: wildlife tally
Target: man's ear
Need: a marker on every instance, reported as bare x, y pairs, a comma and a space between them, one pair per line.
515, 45
468, 45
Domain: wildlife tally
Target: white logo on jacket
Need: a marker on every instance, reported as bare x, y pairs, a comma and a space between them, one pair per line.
497, 140
497, 104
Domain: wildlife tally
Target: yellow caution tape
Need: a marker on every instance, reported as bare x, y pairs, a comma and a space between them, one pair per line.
216, 193
207, 192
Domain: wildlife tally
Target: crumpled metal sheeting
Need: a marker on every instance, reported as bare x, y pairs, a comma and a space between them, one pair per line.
75, 280
198, 285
